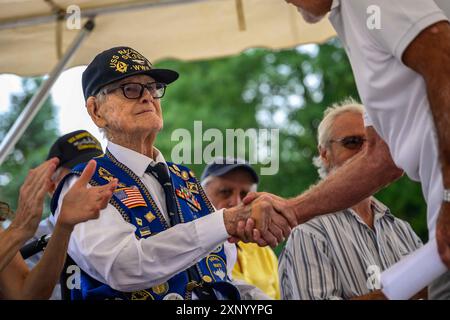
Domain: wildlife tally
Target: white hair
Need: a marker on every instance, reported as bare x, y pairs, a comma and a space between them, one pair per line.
101, 97
325, 126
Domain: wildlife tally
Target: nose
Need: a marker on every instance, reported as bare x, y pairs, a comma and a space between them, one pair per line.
235, 200
146, 96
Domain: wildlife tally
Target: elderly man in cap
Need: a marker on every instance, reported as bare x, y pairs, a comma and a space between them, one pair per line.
226, 182
159, 237
71, 149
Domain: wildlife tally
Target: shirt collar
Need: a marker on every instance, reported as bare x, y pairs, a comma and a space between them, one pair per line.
379, 209
335, 4
136, 161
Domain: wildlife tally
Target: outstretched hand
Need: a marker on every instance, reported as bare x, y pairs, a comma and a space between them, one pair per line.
83, 202
257, 222
31, 197
282, 206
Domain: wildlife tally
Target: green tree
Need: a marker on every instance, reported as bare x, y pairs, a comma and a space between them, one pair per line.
33, 146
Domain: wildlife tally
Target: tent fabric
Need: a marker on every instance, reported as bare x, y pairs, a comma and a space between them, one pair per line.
187, 30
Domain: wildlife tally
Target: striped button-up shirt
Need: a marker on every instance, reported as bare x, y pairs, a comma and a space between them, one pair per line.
337, 256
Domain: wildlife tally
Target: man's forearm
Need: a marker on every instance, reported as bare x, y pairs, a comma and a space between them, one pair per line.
439, 97
429, 55
359, 178
11, 240
41, 280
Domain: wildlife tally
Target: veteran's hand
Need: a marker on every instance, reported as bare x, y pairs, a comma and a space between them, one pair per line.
81, 202
284, 207
256, 222
31, 198
256, 214
443, 233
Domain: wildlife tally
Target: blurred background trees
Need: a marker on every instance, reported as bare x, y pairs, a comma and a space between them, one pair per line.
286, 90
32, 148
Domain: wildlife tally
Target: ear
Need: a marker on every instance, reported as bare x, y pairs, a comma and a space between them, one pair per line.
324, 155
92, 106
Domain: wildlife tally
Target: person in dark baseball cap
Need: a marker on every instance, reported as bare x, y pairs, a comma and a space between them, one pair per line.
71, 149
221, 166
124, 99
119, 63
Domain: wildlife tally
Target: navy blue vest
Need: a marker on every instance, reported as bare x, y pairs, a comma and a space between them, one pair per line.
135, 204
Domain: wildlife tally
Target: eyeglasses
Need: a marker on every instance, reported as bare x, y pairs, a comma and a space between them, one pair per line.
351, 142
134, 90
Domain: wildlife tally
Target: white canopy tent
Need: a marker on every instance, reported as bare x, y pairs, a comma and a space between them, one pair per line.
35, 38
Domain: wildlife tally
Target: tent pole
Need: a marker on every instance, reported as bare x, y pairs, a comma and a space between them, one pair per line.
36, 102
92, 12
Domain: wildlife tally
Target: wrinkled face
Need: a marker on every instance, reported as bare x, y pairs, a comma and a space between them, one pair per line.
120, 115
348, 124
230, 189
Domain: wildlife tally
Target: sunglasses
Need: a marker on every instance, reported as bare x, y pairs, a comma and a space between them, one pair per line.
136, 90
351, 142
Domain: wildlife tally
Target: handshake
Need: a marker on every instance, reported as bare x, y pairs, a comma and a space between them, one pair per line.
263, 218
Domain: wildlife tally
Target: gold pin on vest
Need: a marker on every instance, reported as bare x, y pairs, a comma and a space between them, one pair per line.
192, 285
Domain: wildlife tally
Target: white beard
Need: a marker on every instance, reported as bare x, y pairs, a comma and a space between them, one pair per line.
309, 17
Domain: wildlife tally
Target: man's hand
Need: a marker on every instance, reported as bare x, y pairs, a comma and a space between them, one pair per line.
82, 203
31, 198
256, 222
282, 206
443, 233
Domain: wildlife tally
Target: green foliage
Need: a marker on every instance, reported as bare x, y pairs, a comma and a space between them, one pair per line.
288, 90
33, 146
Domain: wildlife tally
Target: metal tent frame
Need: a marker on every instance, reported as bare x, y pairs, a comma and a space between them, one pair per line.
34, 105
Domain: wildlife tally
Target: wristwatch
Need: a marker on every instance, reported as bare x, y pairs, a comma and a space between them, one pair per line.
446, 195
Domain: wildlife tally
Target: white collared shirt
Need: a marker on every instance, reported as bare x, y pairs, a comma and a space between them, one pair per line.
107, 248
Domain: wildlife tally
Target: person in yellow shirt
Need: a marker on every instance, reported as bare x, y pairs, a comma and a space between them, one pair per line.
226, 182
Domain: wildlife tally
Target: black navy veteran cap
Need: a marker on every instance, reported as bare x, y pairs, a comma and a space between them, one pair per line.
74, 148
118, 63
221, 166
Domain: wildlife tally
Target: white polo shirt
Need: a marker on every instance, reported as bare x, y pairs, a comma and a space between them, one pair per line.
395, 96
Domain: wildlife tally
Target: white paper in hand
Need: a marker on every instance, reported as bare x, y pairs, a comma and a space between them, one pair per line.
413, 273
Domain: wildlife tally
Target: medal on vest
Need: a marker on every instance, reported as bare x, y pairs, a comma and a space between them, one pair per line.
185, 194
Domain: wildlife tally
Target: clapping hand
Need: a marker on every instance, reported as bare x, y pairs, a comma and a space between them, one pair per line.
82, 202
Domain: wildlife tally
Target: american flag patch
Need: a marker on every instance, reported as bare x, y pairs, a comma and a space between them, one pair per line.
131, 197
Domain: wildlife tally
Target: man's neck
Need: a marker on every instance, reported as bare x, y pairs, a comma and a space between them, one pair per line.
365, 212
142, 146
318, 8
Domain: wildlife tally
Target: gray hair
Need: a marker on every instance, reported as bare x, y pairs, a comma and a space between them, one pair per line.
101, 98
325, 126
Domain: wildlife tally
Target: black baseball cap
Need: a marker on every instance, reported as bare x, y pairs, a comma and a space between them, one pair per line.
75, 148
118, 63
221, 166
